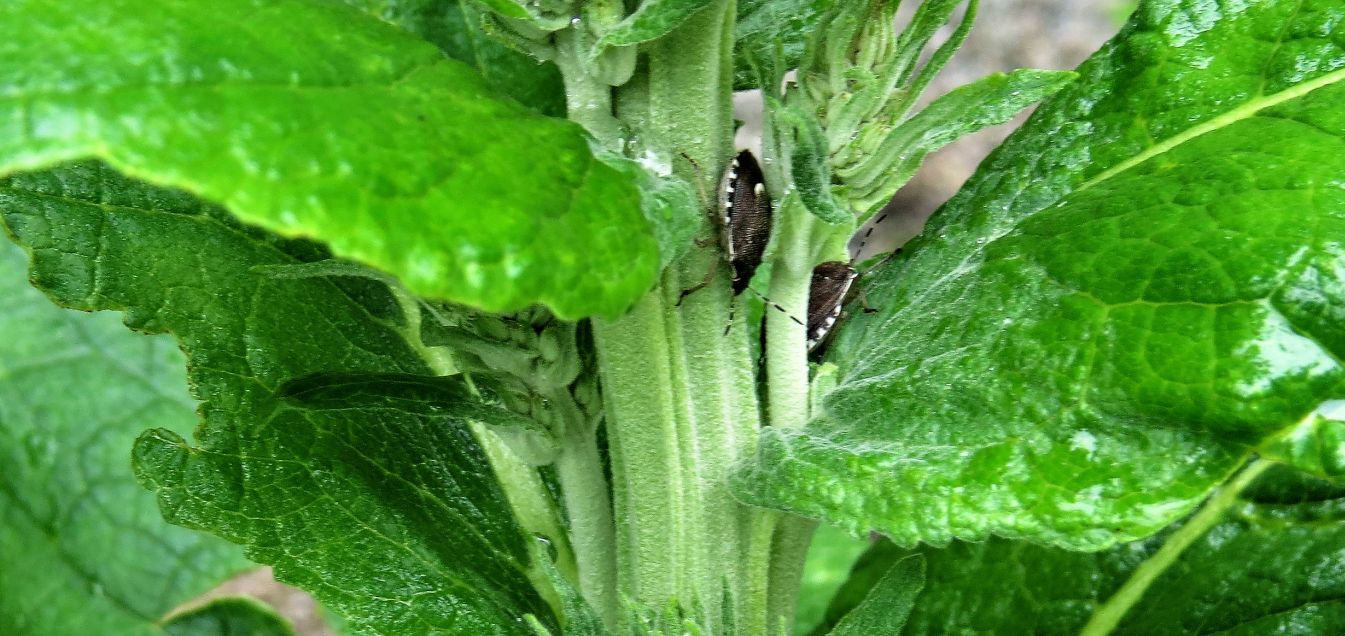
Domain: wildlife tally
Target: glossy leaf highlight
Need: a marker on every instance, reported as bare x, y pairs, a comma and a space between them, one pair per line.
372, 142
1134, 293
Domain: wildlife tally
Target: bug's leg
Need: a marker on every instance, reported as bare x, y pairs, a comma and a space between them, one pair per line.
863, 294
733, 310
700, 178
705, 282
864, 303
780, 309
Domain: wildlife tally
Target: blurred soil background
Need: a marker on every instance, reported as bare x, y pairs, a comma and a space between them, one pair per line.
1009, 34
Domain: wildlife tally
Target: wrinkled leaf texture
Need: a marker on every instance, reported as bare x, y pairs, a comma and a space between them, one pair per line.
1272, 566
385, 509
1139, 288
83, 549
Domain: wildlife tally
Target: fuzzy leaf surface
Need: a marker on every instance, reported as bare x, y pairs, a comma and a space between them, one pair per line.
83, 549
1138, 289
311, 119
889, 602
387, 511
1271, 567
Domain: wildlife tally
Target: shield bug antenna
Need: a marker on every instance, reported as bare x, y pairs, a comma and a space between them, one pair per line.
743, 216
830, 287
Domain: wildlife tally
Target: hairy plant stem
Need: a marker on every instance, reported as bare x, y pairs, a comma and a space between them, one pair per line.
1108, 615
579, 468
679, 395
579, 465
803, 240
588, 100
787, 394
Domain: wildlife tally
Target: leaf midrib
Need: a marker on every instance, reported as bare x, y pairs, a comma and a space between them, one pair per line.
1245, 111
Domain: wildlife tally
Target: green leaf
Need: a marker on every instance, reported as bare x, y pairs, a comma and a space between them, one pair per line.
873, 179
1140, 287
82, 548
765, 26
229, 616
868, 570
806, 147
455, 26
579, 617
670, 205
1316, 445
1271, 567
652, 20
889, 603
389, 515
310, 119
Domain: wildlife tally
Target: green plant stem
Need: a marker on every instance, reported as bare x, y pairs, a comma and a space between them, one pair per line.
522, 485
641, 411
786, 341
579, 468
1106, 617
787, 393
587, 99
531, 505
679, 394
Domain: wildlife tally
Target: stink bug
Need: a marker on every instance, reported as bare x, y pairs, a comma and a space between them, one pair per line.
828, 290
745, 226
826, 295
744, 220
830, 286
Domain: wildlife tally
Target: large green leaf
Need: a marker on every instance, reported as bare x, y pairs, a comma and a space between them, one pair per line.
82, 548
311, 119
1138, 289
455, 26
385, 509
1272, 567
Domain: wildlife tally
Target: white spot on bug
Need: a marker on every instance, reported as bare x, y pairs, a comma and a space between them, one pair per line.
758, 189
